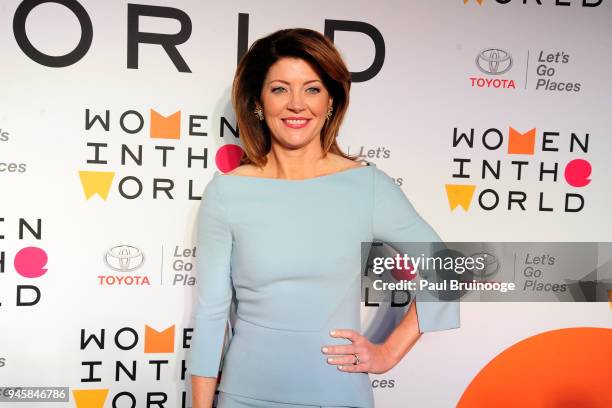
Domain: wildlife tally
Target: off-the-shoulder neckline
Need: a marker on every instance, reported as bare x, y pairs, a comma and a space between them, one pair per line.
324, 176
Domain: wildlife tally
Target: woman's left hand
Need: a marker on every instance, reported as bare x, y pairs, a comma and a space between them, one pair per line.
373, 358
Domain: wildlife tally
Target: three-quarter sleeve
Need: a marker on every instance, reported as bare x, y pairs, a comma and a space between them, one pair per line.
396, 222
214, 246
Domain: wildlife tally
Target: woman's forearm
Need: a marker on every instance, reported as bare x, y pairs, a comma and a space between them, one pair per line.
203, 391
404, 336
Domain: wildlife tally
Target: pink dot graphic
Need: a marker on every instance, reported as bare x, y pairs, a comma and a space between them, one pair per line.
30, 261
228, 157
404, 272
577, 173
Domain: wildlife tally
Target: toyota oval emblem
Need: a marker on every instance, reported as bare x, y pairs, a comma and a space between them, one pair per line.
124, 258
494, 61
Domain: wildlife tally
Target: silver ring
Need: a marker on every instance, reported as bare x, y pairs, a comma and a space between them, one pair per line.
357, 359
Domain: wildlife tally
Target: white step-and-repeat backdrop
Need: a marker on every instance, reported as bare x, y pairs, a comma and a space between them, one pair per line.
493, 116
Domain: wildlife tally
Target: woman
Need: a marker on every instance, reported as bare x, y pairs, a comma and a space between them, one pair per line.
284, 230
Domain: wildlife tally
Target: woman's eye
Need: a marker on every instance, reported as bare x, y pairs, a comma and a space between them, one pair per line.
313, 90
277, 89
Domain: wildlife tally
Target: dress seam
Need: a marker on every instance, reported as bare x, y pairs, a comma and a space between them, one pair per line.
373, 203
225, 210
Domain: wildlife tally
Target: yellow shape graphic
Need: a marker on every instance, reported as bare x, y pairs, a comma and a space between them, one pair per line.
610, 298
460, 194
90, 398
96, 182
477, 1
159, 342
163, 127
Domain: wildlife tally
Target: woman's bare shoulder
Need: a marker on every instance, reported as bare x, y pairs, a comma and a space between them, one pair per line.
244, 170
342, 163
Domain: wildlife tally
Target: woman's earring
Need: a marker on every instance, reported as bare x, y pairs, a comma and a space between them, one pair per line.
259, 113
329, 112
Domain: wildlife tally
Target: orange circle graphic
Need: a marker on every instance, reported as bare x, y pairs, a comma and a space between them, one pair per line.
565, 368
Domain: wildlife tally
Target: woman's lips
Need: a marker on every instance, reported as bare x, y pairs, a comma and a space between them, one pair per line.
296, 123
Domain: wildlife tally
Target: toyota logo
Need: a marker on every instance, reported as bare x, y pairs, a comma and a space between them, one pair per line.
124, 258
494, 61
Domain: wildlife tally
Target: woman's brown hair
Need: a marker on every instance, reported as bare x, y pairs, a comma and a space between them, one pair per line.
325, 60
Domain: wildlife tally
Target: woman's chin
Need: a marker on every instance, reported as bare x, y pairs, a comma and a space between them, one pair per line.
293, 142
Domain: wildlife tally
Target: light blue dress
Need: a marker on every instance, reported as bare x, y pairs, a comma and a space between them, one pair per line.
291, 249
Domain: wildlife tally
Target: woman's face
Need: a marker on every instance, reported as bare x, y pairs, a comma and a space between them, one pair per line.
295, 103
